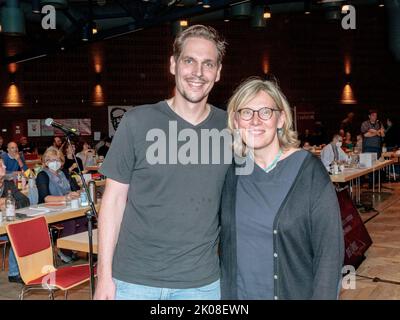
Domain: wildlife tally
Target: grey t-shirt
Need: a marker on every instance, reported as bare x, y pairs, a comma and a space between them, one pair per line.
170, 230
258, 199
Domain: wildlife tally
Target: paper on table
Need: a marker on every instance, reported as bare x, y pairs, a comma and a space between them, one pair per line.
31, 212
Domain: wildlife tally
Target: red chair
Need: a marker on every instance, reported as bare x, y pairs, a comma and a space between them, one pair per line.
33, 250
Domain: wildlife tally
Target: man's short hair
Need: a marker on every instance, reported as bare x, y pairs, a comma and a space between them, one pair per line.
199, 31
371, 111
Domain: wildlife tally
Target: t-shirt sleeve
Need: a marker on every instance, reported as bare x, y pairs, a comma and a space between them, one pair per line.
120, 160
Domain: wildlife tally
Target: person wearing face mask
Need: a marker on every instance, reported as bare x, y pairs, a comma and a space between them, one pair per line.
333, 151
54, 185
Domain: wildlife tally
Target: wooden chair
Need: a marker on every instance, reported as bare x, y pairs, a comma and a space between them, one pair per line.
33, 250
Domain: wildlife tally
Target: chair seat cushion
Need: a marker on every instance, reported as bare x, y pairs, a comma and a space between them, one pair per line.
65, 277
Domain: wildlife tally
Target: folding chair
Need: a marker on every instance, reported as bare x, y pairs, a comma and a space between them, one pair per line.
33, 250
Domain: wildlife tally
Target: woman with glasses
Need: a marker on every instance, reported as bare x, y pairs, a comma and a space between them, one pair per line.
281, 232
54, 185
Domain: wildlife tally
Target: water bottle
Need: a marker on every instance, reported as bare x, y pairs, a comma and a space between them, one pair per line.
33, 194
10, 206
84, 199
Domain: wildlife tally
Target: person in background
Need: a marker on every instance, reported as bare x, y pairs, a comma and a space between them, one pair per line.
320, 136
101, 142
104, 149
20, 201
25, 146
307, 146
342, 134
70, 165
2, 149
373, 132
359, 143
57, 142
333, 152
13, 159
347, 123
281, 229
54, 185
347, 142
306, 137
86, 154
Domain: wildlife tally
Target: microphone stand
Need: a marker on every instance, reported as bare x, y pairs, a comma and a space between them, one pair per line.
89, 215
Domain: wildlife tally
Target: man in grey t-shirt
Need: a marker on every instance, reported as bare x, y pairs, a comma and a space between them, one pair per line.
158, 222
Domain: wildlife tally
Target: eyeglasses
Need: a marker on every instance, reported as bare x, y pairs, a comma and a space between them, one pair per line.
263, 113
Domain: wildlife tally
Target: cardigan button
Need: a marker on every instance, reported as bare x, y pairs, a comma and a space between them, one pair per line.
276, 297
275, 255
275, 231
275, 277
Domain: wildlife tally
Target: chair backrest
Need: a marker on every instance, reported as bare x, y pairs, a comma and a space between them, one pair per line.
30, 241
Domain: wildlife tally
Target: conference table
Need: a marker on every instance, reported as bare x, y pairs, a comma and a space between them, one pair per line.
78, 242
54, 214
352, 175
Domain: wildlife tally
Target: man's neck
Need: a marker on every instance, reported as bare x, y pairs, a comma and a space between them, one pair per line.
193, 113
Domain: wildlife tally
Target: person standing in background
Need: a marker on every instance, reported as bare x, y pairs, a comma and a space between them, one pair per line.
373, 132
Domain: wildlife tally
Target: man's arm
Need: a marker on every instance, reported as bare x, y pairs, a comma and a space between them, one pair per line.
110, 216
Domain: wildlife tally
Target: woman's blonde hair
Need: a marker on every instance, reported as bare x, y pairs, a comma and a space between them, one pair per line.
52, 151
245, 92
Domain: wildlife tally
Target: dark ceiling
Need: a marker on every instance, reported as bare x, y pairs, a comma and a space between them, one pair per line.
114, 18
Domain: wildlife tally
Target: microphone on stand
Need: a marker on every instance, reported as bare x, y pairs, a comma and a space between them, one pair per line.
51, 123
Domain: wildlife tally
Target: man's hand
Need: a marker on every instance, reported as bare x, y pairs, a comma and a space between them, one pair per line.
16, 156
105, 290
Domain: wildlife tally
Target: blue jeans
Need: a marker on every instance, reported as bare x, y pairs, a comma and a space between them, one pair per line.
130, 291
13, 269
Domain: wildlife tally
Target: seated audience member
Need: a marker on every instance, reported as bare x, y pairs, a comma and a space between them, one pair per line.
333, 152
342, 134
13, 159
359, 143
87, 155
306, 146
348, 143
54, 185
25, 146
20, 202
2, 148
104, 149
70, 165
57, 142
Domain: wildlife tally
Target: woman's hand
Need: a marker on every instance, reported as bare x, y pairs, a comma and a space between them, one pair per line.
73, 195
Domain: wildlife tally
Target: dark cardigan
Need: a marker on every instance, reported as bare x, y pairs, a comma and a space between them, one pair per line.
308, 237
